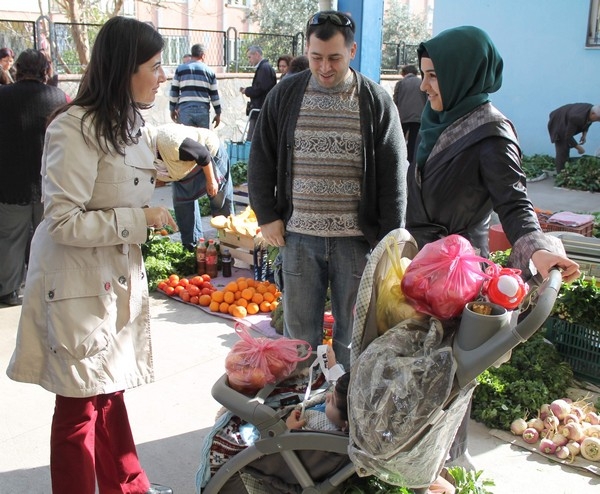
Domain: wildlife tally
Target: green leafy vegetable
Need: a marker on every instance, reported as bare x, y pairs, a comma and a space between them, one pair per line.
163, 257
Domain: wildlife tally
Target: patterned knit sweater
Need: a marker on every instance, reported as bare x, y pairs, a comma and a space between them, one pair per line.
327, 162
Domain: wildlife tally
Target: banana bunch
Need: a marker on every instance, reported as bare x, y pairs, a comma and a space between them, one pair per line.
244, 223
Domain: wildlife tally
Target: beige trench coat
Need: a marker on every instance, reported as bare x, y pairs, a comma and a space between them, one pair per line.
84, 327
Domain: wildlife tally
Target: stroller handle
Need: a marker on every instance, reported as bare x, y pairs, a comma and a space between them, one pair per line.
473, 361
249, 408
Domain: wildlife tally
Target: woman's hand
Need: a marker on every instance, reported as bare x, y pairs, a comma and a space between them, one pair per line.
159, 217
545, 260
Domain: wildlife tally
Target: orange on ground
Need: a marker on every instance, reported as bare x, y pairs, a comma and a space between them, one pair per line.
241, 302
253, 308
269, 297
229, 297
242, 284
224, 308
247, 293
257, 298
272, 288
261, 288
218, 296
230, 309
274, 305
232, 286
214, 306
238, 295
204, 300
265, 306
239, 311
251, 282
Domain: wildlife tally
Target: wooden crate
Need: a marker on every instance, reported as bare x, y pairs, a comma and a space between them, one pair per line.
240, 246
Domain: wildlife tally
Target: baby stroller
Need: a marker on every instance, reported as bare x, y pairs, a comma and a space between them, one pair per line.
298, 458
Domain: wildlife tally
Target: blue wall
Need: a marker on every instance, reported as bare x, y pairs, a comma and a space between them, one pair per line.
546, 63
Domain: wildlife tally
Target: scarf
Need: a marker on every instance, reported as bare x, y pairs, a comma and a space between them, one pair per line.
468, 67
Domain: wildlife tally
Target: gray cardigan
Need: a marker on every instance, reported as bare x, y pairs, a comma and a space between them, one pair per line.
383, 203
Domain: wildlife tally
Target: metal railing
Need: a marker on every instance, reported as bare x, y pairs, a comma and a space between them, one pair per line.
70, 45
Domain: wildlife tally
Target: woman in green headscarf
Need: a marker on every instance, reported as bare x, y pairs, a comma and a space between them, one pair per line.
468, 162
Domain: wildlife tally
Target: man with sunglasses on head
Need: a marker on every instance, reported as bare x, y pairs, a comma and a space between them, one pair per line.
326, 179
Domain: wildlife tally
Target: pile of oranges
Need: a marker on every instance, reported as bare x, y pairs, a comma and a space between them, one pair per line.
239, 298
244, 296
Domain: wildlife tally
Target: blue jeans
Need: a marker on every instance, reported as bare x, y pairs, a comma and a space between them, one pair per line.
187, 191
310, 265
195, 114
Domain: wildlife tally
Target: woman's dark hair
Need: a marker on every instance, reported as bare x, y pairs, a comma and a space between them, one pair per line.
298, 64
122, 45
341, 395
32, 64
286, 58
6, 52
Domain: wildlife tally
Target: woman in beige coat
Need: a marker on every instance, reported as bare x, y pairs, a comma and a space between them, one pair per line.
84, 331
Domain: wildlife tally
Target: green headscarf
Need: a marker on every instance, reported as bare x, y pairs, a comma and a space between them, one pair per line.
468, 68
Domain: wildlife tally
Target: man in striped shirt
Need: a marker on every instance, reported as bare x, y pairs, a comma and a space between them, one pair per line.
193, 89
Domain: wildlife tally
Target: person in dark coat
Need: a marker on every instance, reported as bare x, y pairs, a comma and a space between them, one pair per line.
263, 81
468, 164
565, 123
410, 101
25, 107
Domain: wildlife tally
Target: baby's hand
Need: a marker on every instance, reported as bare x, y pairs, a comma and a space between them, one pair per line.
293, 421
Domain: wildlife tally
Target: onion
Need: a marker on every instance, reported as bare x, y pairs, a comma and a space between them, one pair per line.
536, 423
590, 448
578, 411
547, 446
531, 435
551, 422
573, 431
592, 418
559, 440
573, 447
518, 426
544, 411
571, 417
593, 431
562, 452
560, 408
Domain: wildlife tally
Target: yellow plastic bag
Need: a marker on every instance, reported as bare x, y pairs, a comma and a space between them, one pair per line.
392, 307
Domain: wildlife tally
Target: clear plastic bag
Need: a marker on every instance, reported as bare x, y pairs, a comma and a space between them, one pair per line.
443, 277
253, 362
403, 412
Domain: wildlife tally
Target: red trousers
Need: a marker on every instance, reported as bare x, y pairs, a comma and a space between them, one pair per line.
91, 442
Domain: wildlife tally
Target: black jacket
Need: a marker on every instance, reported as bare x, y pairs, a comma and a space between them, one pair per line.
263, 81
24, 109
461, 184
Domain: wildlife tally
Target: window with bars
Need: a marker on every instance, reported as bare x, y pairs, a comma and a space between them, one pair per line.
593, 30
239, 3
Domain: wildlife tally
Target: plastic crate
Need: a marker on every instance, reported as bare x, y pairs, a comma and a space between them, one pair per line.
586, 229
578, 345
238, 151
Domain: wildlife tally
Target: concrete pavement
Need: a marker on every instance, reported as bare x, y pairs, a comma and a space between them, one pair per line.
171, 416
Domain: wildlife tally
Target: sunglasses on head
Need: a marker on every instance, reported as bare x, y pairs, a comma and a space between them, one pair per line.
336, 18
